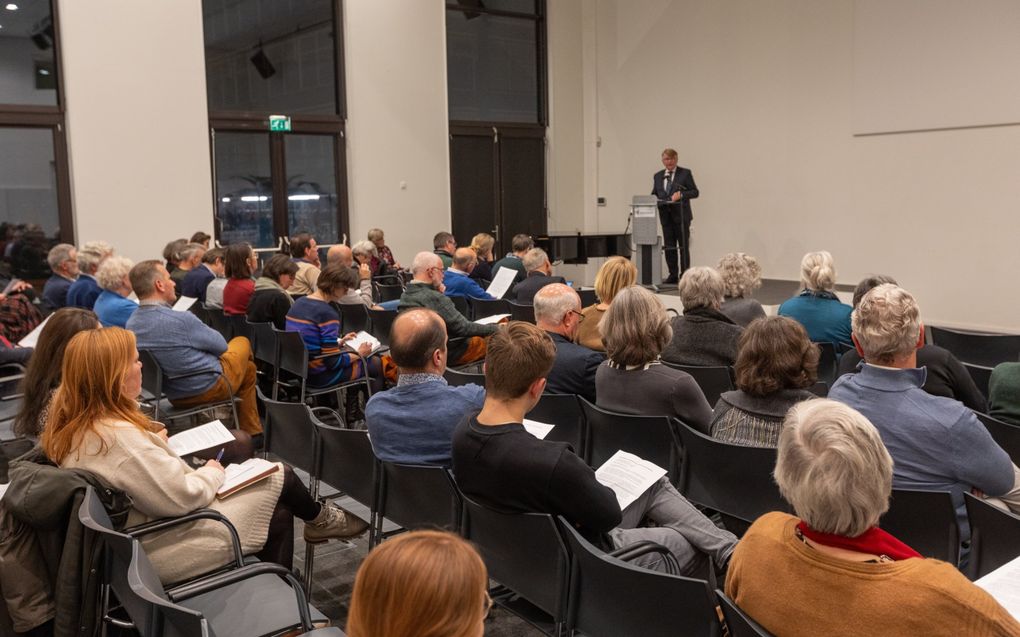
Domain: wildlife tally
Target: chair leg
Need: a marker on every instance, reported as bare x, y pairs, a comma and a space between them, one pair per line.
309, 567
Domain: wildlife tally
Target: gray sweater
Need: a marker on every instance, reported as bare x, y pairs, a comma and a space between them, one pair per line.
703, 337
655, 390
742, 310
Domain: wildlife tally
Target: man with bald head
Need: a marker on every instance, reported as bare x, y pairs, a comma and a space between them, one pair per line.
426, 290
457, 278
558, 312
342, 254
413, 422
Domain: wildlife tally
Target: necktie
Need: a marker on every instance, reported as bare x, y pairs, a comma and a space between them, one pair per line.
669, 181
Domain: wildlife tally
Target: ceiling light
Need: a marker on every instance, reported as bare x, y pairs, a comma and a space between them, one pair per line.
44, 72
225, 200
254, 198
303, 197
10, 6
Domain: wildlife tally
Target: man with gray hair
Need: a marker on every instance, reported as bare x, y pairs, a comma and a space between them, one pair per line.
426, 290
936, 443
63, 261
536, 262
190, 258
84, 291
558, 312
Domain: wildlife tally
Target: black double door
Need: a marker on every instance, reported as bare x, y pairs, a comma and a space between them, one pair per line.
497, 182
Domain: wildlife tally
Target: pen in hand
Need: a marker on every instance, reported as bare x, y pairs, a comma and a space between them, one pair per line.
219, 456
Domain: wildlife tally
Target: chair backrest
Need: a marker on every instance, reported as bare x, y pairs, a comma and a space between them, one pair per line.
979, 349
239, 326
201, 312
480, 308
1007, 435
381, 322
563, 411
152, 374
419, 496
588, 297
713, 379
609, 597
519, 312
820, 389
354, 317
457, 378
293, 353
348, 463
994, 536
291, 434
925, 521
646, 436
828, 362
739, 622
522, 551
980, 375
461, 303
732, 479
219, 322
162, 618
265, 345
388, 292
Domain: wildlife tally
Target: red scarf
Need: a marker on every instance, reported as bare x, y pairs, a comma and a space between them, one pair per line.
874, 541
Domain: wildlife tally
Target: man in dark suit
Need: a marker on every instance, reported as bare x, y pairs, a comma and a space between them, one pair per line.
536, 262
558, 312
674, 188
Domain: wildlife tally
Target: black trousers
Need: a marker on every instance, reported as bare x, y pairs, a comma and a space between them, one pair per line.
676, 237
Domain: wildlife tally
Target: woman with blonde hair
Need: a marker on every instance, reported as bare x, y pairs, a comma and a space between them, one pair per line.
817, 307
741, 275
95, 425
420, 584
615, 274
482, 243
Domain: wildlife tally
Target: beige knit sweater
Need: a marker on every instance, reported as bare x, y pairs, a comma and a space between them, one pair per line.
162, 485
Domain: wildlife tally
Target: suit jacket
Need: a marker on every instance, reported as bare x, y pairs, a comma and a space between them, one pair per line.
525, 291
683, 182
196, 281
573, 370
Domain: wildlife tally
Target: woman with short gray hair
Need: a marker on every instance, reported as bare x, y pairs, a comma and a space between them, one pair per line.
831, 570
367, 253
633, 380
112, 306
703, 335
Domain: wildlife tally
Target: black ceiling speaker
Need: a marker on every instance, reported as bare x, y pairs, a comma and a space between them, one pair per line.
262, 64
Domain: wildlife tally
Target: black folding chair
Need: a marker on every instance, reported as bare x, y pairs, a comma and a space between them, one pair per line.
588, 297
461, 303
381, 322
239, 326
987, 350
354, 317
994, 536
387, 292
348, 464
219, 322
520, 312
457, 378
1005, 434
417, 496
828, 362
648, 437
713, 380
610, 597
564, 412
294, 358
925, 521
819, 389
480, 308
739, 623
153, 378
980, 375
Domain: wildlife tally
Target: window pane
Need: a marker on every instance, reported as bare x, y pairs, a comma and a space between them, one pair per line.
29, 221
492, 68
244, 192
27, 68
270, 56
311, 187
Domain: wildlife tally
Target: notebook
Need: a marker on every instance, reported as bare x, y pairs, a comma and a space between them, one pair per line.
245, 474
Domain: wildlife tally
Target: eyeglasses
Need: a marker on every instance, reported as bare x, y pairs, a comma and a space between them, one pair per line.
580, 317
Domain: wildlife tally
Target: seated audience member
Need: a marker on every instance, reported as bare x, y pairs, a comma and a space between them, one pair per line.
615, 274
361, 293
85, 290
18, 317
703, 335
830, 570
199, 279
514, 259
776, 363
937, 444
183, 345
239, 263
365, 253
558, 312
378, 238
319, 325
63, 262
633, 380
457, 279
270, 301
817, 308
1004, 392
536, 262
426, 290
499, 463
200, 238
95, 425
172, 253
113, 307
190, 258
482, 244
305, 252
422, 583
444, 245
214, 291
741, 275
412, 423
42, 376
946, 374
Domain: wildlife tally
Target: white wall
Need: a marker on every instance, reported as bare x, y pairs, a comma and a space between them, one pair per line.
758, 99
397, 131
137, 124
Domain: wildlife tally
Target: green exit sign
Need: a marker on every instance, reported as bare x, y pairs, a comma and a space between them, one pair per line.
279, 123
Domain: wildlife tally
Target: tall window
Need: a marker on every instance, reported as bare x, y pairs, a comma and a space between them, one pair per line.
35, 202
266, 58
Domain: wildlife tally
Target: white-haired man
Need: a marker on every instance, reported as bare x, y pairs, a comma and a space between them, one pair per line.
63, 261
426, 290
536, 262
937, 444
558, 312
